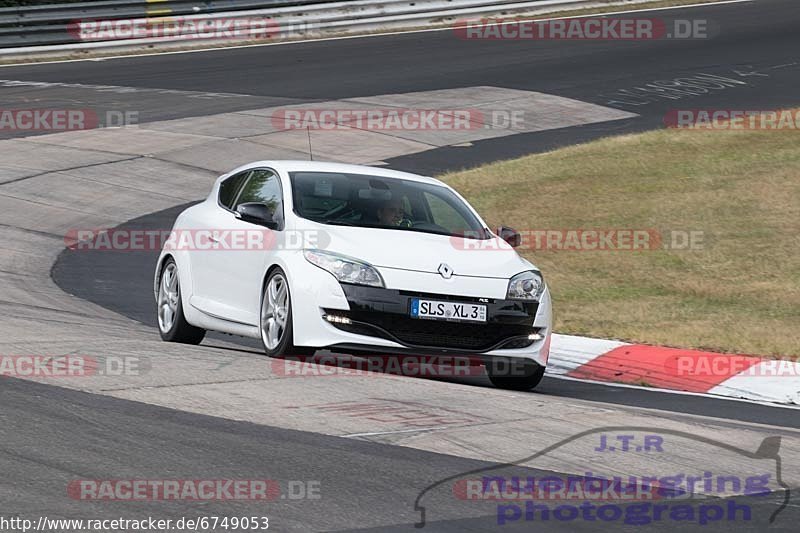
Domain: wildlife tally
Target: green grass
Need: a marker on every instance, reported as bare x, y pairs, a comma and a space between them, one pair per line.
740, 293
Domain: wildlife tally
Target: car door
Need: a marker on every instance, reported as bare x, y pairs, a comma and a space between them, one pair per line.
240, 261
208, 268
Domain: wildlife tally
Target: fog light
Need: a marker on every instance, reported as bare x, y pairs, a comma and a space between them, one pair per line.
336, 319
535, 337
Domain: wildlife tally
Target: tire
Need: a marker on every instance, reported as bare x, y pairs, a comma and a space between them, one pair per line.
275, 319
172, 324
514, 374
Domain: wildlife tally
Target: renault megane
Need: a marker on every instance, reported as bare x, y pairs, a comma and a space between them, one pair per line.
310, 255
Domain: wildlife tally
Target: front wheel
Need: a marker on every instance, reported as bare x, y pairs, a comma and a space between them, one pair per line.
276, 318
172, 324
514, 374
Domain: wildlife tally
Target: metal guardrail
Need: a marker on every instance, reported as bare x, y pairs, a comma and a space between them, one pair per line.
52, 28
38, 25
117, 9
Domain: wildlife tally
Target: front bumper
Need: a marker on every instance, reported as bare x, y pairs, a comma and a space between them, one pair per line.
383, 319
385, 313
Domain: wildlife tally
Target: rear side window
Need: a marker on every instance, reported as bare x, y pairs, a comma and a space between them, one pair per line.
230, 187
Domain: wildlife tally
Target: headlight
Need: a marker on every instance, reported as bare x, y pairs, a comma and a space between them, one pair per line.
345, 269
526, 286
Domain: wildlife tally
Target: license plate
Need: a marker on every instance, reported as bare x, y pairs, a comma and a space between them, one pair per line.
432, 309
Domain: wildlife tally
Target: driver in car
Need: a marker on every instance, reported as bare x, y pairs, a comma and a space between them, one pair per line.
391, 212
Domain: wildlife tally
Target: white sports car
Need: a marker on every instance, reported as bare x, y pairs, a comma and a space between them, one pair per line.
310, 255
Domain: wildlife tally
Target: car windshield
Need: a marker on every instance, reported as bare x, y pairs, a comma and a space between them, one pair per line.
379, 202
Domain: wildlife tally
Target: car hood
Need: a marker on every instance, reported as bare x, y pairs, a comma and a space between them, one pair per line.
423, 252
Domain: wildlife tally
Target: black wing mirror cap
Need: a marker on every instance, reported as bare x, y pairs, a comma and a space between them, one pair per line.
510, 235
257, 213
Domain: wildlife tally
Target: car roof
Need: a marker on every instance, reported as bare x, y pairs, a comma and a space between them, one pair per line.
284, 167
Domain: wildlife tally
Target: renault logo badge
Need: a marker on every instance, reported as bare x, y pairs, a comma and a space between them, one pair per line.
446, 271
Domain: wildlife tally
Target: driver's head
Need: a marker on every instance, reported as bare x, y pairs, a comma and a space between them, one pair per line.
390, 213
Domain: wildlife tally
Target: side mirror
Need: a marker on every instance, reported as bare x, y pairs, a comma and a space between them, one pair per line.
510, 235
256, 213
